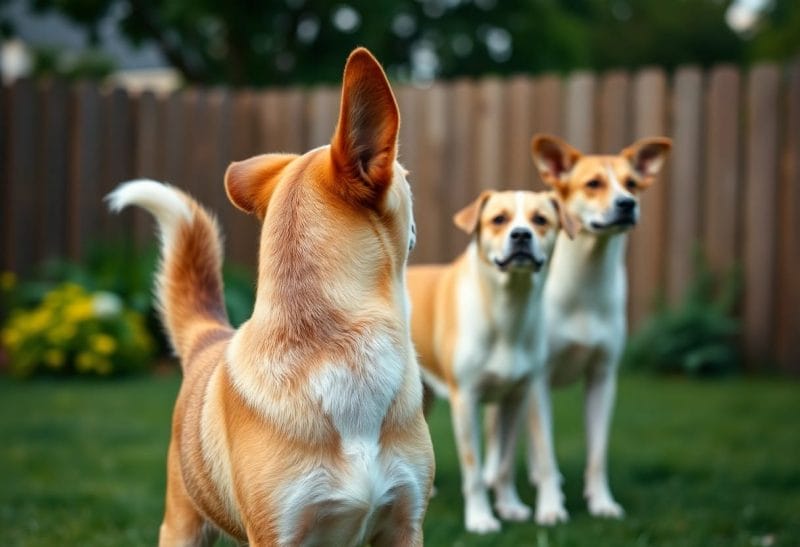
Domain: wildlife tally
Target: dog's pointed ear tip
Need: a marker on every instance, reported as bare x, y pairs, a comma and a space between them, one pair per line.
362, 59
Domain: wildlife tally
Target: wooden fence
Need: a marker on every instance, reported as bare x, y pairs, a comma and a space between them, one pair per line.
732, 184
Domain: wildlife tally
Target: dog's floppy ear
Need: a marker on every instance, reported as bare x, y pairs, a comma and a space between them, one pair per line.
467, 218
364, 145
553, 158
567, 222
647, 156
250, 183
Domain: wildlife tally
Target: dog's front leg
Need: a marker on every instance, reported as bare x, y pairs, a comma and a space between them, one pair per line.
502, 431
601, 388
478, 514
542, 465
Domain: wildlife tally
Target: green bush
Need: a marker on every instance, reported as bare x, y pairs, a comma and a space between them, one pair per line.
116, 270
75, 331
698, 336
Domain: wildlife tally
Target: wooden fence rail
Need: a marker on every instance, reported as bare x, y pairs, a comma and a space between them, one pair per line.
732, 185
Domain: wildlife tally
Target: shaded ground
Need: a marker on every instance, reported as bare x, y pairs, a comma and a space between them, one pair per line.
82, 463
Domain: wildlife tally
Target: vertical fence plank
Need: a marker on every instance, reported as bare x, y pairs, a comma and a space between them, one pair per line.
721, 200
685, 186
54, 166
323, 111
646, 262
580, 111
220, 105
281, 127
787, 293
519, 130
243, 232
760, 212
117, 157
86, 169
6, 205
23, 118
489, 134
462, 185
547, 111
149, 163
175, 136
428, 193
408, 101
613, 113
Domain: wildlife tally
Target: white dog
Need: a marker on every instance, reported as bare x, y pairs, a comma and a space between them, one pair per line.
584, 304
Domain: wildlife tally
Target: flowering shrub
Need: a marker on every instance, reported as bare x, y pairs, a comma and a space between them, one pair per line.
73, 330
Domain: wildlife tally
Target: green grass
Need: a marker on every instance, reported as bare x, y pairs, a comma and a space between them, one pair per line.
82, 463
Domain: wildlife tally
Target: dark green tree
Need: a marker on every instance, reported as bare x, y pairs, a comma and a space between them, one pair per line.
278, 42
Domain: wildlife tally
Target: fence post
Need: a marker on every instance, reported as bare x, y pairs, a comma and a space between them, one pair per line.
580, 111
646, 255
685, 186
614, 113
86, 169
722, 193
787, 294
760, 212
53, 165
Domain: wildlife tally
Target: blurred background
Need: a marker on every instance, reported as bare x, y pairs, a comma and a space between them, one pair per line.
95, 92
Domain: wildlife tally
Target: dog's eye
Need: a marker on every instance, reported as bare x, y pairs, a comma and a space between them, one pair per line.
539, 220
499, 220
593, 184
630, 184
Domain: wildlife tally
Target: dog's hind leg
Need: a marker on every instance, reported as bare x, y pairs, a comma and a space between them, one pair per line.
601, 388
183, 525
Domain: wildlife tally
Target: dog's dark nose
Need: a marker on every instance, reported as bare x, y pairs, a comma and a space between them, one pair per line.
520, 235
625, 205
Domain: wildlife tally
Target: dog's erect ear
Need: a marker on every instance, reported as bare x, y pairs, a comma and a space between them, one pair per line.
567, 222
467, 218
250, 183
647, 156
364, 145
553, 158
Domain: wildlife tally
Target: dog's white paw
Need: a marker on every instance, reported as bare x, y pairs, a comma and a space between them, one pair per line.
606, 507
479, 518
513, 510
482, 524
549, 514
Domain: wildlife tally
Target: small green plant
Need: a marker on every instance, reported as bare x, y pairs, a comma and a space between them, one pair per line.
76, 331
698, 336
119, 271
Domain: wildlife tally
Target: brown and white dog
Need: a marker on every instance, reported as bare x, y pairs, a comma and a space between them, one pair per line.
584, 302
305, 425
477, 326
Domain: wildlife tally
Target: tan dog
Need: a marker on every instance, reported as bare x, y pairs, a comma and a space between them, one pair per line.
305, 425
584, 302
476, 324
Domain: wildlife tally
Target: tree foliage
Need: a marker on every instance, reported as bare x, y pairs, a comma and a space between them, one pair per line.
277, 42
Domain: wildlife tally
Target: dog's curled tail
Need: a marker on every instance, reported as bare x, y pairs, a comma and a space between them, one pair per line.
189, 287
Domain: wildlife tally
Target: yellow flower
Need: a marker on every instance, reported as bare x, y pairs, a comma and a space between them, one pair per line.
61, 333
78, 311
11, 338
7, 281
103, 344
54, 358
85, 361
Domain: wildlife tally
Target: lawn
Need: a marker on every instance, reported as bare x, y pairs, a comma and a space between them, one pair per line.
694, 463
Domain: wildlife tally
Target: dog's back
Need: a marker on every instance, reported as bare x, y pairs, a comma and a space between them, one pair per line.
305, 425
